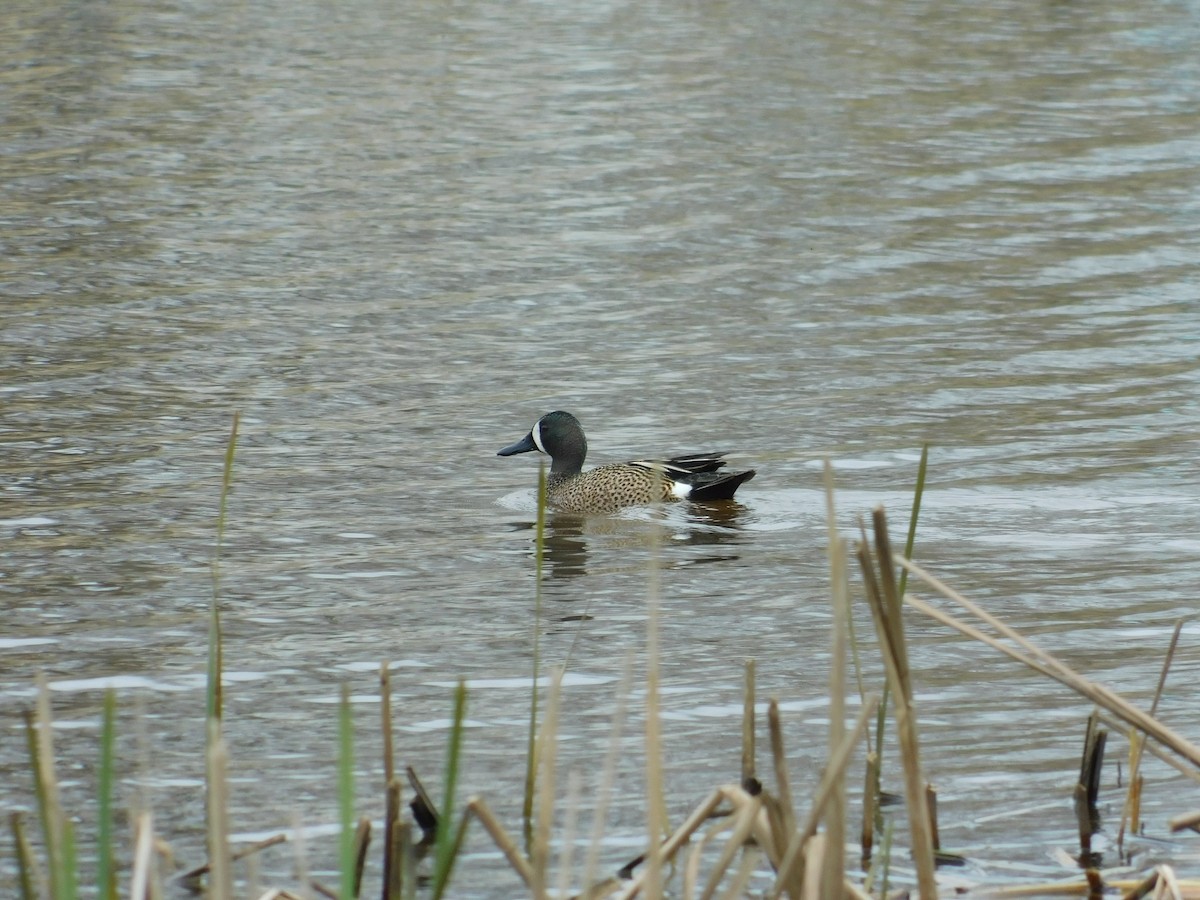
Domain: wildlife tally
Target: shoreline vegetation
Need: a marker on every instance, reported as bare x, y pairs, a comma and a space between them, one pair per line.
754, 837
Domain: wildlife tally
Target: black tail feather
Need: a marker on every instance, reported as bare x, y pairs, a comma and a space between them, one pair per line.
718, 487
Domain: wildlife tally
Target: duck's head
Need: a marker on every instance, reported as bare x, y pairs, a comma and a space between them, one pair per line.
560, 436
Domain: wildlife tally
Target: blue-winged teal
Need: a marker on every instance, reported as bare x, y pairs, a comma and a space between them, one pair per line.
608, 488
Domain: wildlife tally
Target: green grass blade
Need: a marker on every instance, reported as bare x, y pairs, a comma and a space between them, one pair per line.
106, 887
531, 746
67, 878
346, 793
918, 493
445, 849
213, 693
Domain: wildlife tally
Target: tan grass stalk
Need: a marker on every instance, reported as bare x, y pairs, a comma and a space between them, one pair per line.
566, 857
681, 836
814, 864
782, 781
609, 772
741, 878
601, 889
1187, 820
834, 865
748, 766
220, 879
547, 750
243, 853
1168, 884
143, 856
884, 600
1154, 750
1043, 662
477, 807
870, 799
30, 877
1131, 812
300, 855
835, 768
743, 827
50, 803
393, 860
385, 716
691, 870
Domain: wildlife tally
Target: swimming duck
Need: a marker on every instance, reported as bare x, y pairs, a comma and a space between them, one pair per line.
608, 488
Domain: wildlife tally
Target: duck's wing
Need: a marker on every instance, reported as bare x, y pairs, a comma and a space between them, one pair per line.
681, 467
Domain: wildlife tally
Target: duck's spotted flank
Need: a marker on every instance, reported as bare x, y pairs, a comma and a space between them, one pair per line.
609, 488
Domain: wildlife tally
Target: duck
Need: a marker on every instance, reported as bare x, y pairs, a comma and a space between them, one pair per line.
608, 488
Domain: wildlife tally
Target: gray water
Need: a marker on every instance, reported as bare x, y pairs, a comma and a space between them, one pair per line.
392, 235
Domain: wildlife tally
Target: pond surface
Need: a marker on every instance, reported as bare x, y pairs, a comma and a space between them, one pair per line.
392, 235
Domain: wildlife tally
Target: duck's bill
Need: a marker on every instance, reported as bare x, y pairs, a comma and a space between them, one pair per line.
524, 445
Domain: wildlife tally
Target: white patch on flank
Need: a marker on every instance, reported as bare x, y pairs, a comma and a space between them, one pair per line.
537, 436
680, 490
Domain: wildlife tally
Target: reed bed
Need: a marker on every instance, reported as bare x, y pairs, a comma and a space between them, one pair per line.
765, 838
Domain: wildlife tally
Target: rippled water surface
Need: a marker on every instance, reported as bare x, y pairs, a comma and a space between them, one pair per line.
393, 234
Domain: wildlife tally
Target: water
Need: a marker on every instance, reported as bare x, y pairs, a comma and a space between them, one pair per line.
393, 235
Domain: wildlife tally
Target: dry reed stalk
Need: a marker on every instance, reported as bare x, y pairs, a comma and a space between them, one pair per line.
741, 878
1092, 763
547, 750
681, 835
931, 807
143, 856
1085, 823
1049, 889
748, 769
1168, 884
220, 878
385, 716
782, 781
1187, 820
243, 853
834, 865
814, 875
300, 855
393, 862
477, 807
565, 860
1131, 812
609, 771
29, 876
691, 870
1162, 755
835, 768
884, 600
392, 788
362, 842
870, 800
1043, 662
41, 728
601, 889
746, 819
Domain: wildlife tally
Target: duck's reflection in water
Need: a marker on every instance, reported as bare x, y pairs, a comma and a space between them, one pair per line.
566, 538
